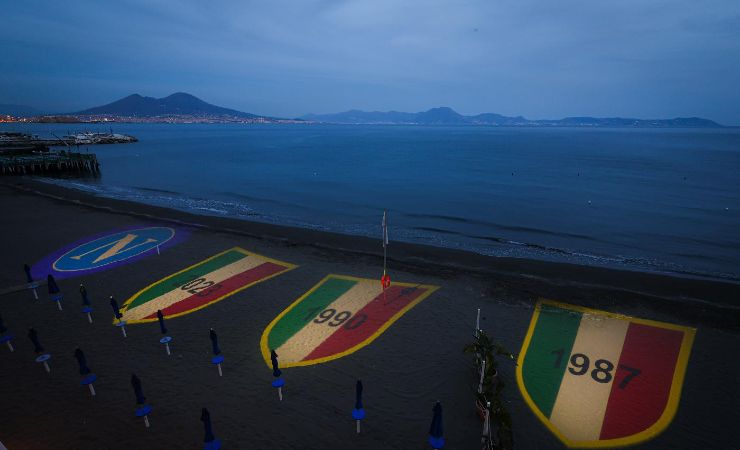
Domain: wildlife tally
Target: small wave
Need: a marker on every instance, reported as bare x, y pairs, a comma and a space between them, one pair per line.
515, 228
163, 191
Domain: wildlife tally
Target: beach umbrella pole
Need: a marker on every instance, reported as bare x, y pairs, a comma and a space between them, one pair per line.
35, 294
46, 366
220, 372
10, 346
280, 393
92, 389
89, 317
477, 323
358, 427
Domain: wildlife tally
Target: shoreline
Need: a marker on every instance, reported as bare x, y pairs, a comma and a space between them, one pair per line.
695, 295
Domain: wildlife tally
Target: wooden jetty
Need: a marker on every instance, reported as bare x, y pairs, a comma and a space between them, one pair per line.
49, 164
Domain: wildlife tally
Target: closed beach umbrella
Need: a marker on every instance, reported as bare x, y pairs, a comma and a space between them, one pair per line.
218, 358
205, 417
88, 377
359, 412
54, 291
276, 372
214, 341
86, 307
29, 279
42, 357
6, 337
138, 391
117, 313
165, 340
115, 308
52, 285
34, 337
278, 383
143, 409
82, 362
83, 294
160, 317
436, 440
27, 269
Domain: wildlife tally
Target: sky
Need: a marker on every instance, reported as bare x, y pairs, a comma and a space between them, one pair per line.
540, 59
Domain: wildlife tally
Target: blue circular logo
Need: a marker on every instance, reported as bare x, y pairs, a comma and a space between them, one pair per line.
113, 248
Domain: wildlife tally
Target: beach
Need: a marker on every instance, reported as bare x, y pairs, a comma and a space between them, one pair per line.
413, 363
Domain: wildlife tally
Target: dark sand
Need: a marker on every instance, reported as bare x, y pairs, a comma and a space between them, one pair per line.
416, 361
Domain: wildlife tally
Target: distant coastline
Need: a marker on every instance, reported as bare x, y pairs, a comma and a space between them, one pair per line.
186, 108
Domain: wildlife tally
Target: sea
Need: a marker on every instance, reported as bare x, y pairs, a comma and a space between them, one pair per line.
655, 200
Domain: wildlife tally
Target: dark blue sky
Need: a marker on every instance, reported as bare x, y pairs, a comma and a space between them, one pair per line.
541, 59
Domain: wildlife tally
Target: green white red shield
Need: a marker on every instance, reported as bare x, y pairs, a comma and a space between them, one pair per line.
598, 379
337, 317
201, 285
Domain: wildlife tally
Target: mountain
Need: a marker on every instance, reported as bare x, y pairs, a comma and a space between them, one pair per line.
18, 110
178, 104
447, 116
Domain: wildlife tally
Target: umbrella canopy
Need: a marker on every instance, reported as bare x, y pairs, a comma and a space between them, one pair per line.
116, 309
435, 430
83, 293
358, 395
3, 329
29, 278
276, 372
34, 337
52, 284
136, 383
82, 361
214, 341
160, 317
205, 417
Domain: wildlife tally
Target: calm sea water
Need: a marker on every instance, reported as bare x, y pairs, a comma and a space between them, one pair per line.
644, 199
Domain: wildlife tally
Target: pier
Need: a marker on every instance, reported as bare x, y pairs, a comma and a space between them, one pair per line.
49, 164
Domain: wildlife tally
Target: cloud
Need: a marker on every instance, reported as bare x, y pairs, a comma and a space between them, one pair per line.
538, 58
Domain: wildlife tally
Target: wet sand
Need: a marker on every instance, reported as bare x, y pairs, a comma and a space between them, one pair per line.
416, 361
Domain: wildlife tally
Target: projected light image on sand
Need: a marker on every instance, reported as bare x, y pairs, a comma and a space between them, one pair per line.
201, 285
337, 317
598, 379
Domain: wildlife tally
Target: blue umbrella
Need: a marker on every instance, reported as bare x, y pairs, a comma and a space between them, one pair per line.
138, 391
115, 308
54, 292
34, 336
29, 278
83, 294
214, 341
218, 358
6, 337
211, 443
52, 285
116, 312
359, 412
276, 372
165, 340
82, 361
435, 429
42, 357
160, 317
86, 307
31, 284
88, 377
143, 410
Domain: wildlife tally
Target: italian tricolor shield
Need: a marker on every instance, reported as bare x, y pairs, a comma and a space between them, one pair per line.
201, 285
337, 317
598, 379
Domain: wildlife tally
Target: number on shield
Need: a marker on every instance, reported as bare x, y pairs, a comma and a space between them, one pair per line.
332, 318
